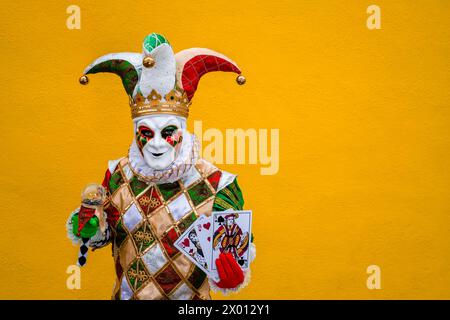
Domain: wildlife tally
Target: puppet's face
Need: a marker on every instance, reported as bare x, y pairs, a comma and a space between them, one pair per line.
93, 194
159, 138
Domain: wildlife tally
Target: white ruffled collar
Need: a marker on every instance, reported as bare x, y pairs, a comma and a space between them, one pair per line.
185, 160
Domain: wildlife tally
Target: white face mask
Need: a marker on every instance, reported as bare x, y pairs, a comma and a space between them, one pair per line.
159, 138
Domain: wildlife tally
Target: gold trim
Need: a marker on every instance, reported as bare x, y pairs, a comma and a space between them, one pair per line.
223, 203
175, 103
231, 196
144, 110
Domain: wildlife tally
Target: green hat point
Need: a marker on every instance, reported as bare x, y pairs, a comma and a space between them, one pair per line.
153, 41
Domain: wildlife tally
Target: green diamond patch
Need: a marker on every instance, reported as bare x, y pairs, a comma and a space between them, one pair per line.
199, 193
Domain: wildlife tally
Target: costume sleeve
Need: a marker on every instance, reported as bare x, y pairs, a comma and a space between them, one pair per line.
101, 238
230, 197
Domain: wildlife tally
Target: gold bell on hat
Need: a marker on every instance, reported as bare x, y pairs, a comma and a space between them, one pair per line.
84, 80
240, 80
148, 62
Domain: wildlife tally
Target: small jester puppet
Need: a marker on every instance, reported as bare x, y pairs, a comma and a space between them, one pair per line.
162, 186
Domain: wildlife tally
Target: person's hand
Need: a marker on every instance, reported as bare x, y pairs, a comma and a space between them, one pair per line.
230, 272
89, 229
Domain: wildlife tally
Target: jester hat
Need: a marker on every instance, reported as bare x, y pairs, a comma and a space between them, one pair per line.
157, 81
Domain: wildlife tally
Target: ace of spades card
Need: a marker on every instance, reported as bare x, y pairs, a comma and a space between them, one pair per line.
231, 233
188, 243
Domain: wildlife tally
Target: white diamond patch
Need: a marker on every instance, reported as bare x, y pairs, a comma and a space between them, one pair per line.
132, 217
125, 291
154, 259
182, 293
225, 179
191, 177
179, 207
127, 172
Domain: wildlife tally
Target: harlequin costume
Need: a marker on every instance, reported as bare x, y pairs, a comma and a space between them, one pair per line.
147, 209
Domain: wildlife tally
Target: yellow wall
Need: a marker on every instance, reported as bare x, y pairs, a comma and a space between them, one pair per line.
364, 137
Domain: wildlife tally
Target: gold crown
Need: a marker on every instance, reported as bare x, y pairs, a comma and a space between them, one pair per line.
176, 103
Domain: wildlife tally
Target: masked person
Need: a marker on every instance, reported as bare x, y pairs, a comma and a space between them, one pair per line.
162, 186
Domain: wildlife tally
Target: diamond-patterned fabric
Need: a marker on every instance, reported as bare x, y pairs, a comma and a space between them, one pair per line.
125, 291
149, 200
132, 218
196, 67
154, 259
182, 293
146, 220
143, 237
137, 274
179, 207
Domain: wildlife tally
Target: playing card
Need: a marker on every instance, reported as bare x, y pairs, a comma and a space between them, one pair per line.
204, 231
189, 244
203, 226
231, 232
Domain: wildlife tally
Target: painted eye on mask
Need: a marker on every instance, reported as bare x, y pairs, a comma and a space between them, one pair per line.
147, 133
172, 135
144, 135
168, 131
